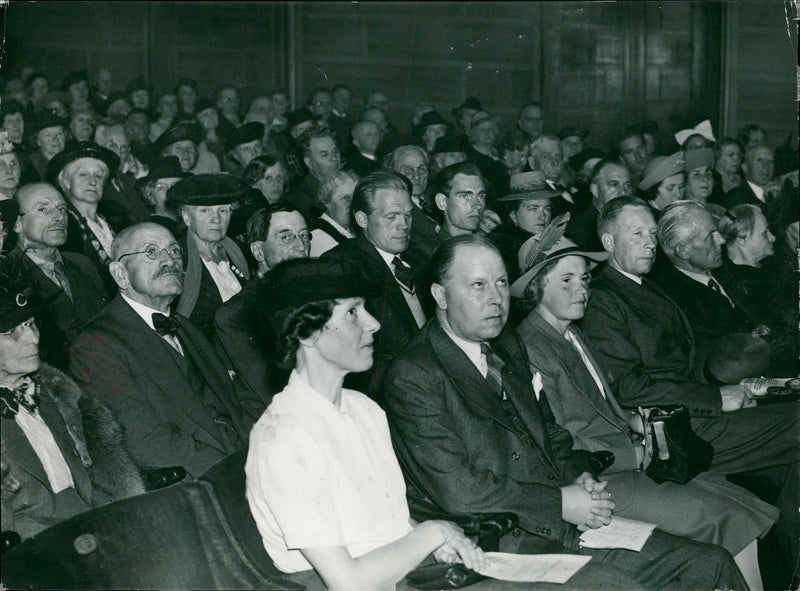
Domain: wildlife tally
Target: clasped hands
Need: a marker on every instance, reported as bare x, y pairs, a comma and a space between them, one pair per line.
586, 503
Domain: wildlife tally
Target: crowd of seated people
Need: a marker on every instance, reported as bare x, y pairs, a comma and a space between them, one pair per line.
182, 278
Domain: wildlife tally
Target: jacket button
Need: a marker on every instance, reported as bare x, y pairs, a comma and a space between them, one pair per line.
516, 532
515, 455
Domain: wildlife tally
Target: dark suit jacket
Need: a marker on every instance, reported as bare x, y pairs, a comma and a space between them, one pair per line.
645, 345
88, 292
742, 194
170, 414
81, 240
582, 230
360, 164
596, 423
303, 195
709, 313
459, 447
390, 308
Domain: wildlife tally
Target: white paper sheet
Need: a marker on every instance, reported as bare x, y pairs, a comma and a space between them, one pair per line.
620, 533
533, 568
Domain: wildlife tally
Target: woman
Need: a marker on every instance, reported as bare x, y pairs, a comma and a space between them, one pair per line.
430, 128
664, 181
10, 172
766, 284
216, 268
728, 167
321, 474
708, 508
335, 197
701, 186
268, 175
45, 415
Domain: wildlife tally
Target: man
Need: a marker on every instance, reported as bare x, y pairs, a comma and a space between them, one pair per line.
382, 210
181, 141
582, 166
608, 180
100, 91
120, 189
227, 102
186, 91
758, 168
571, 139
49, 133
275, 233
460, 195
137, 124
10, 172
321, 156
529, 126
163, 174
243, 144
139, 93
412, 163
472, 437
68, 281
689, 238
547, 156
166, 109
633, 154
76, 85
446, 151
463, 114
340, 122
361, 157
320, 104
646, 346
389, 137
161, 378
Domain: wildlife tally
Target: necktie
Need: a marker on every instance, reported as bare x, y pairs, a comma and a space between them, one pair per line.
403, 274
61, 275
494, 374
166, 325
714, 284
25, 395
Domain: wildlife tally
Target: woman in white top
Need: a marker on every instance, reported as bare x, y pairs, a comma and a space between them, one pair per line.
335, 197
323, 483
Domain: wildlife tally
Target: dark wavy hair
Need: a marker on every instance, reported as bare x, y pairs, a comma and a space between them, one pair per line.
299, 324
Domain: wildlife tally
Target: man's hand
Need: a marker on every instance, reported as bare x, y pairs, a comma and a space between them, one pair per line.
489, 221
584, 508
736, 397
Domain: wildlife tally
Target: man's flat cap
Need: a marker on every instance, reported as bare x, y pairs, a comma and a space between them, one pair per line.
207, 189
76, 151
249, 132
296, 282
183, 131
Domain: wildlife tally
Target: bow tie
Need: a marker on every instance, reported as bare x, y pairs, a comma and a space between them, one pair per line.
25, 395
166, 325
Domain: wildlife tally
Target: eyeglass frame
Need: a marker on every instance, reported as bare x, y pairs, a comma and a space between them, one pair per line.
157, 254
415, 171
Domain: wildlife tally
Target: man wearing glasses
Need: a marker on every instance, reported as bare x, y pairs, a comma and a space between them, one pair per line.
159, 375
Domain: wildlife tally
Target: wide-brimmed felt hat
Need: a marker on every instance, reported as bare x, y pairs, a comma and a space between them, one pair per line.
730, 359
207, 189
538, 258
529, 185
577, 161
699, 157
428, 119
449, 144
76, 151
298, 116
166, 167
185, 130
249, 132
73, 77
20, 295
662, 167
703, 128
296, 282
469, 103
47, 119
572, 131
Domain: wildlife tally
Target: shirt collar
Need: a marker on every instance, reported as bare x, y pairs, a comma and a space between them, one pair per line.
302, 393
387, 256
146, 312
634, 278
757, 190
40, 262
703, 278
336, 225
470, 348
372, 157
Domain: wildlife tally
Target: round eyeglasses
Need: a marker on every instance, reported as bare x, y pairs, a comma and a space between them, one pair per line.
153, 252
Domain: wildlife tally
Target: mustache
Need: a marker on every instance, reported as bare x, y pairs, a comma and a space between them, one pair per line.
173, 270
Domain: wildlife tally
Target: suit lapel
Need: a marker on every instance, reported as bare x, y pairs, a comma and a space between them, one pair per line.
394, 296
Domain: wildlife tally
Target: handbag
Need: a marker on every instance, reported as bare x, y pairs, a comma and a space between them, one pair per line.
673, 451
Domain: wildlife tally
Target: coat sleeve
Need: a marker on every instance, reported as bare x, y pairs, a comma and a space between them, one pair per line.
104, 373
436, 457
615, 348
